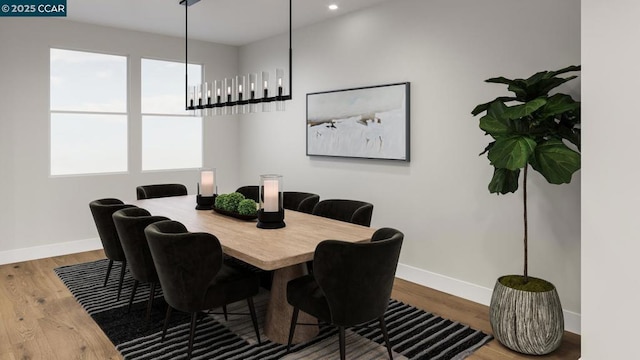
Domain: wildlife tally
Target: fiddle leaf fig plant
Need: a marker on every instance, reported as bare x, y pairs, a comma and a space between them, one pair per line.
531, 128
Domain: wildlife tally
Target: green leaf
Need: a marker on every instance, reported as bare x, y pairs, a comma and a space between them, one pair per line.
535, 78
555, 161
483, 107
520, 111
572, 135
504, 181
546, 85
494, 122
558, 104
520, 88
566, 70
500, 80
487, 148
511, 152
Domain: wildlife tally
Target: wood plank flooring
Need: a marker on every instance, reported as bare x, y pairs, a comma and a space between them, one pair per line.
40, 319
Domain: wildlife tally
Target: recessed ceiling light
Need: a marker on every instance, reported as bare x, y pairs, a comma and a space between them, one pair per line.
333, 7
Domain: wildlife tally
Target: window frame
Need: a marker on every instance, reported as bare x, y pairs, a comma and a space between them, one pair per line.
126, 113
144, 114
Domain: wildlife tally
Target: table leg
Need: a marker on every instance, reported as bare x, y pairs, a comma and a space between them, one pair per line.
278, 320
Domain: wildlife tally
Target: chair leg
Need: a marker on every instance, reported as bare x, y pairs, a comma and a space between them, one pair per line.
254, 318
152, 294
292, 328
383, 327
166, 322
106, 278
122, 270
133, 294
224, 310
342, 346
194, 318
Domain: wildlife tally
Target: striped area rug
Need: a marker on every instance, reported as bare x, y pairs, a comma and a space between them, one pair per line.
414, 334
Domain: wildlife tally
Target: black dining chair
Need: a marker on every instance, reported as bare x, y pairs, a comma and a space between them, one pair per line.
130, 224
250, 192
351, 284
160, 190
102, 211
353, 211
300, 201
193, 275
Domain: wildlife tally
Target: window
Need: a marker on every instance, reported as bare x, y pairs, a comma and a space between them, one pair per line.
88, 106
171, 136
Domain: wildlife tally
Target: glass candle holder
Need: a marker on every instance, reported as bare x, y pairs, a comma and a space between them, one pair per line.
217, 87
229, 97
241, 91
271, 211
253, 85
266, 106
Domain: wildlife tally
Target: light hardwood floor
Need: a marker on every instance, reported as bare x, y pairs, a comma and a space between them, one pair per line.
40, 319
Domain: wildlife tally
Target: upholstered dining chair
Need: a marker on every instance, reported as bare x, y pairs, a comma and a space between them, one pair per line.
351, 284
102, 211
193, 275
130, 224
299, 201
160, 190
250, 192
353, 211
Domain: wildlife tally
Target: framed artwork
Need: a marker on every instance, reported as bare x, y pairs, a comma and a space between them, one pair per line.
368, 122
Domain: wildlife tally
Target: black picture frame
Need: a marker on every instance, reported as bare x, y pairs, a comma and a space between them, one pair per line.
369, 122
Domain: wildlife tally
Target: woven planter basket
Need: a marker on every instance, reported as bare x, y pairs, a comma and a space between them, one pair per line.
527, 322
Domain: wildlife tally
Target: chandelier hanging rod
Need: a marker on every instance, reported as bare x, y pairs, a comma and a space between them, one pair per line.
200, 99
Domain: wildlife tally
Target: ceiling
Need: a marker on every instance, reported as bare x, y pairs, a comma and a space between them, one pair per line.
232, 22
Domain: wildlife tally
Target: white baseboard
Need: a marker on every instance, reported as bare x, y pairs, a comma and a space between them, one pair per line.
45, 251
469, 291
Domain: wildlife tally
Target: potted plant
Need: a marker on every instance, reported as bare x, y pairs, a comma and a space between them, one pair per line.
536, 130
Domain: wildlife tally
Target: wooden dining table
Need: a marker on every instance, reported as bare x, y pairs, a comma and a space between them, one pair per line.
285, 250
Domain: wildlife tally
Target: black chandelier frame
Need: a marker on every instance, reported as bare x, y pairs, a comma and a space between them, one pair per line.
207, 102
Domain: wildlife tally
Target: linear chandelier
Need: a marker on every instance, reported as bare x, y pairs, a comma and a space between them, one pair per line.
241, 94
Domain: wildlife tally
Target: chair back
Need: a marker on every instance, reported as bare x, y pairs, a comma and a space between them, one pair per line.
250, 192
353, 211
186, 263
300, 201
383, 234
160, 190
357, 278
130, 224
102, 211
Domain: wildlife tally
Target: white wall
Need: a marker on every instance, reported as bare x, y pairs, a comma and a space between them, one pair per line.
42, 214
610, 240
456, 232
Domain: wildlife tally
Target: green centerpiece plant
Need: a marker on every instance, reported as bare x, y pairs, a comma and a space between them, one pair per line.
247, 207
235, 203
229, 202
538, 130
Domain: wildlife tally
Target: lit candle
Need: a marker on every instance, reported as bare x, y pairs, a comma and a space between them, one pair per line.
240, 89
207, 182
271, 203
228, 90
253, 86
219, 90
266, 84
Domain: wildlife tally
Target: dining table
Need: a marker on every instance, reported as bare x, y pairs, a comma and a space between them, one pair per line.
285, 251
